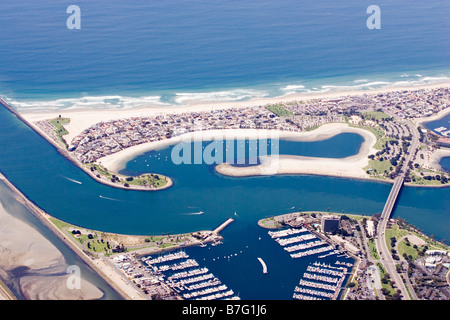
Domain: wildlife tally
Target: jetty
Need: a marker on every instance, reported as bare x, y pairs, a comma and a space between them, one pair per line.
223, 225
263, 265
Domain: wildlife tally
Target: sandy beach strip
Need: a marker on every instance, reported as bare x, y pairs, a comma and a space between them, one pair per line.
437, 116
436, 157
351, 167
81, 119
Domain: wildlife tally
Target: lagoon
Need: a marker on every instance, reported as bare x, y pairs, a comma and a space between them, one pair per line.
48, 179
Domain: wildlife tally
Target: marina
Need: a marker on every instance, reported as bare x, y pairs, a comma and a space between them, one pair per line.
321, 281
291, 243
286, 232
310, 252
193, 283
286, 241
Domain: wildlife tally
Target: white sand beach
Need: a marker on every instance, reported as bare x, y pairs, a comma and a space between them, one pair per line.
436, 157
287, 164
347, 167
82, 119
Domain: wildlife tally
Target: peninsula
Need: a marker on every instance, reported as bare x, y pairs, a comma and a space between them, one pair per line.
386, 120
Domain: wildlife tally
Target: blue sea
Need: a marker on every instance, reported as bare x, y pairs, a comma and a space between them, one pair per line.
131, 54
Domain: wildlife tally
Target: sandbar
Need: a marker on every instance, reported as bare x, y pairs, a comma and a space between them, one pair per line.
44, 276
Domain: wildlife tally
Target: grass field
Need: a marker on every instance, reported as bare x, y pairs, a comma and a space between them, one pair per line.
376, 115
279, 110
60, 131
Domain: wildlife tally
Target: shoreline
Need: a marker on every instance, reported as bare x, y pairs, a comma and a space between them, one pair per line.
441, 114
349, 167
82, 119
117, 161
65, 153
100, 268
101, 265
287, 165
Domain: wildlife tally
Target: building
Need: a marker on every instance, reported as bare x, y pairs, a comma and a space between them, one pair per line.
346, 245
330, 223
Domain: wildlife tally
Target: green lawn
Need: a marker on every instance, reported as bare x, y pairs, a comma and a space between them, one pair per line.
98, 246
378, 167
60, 131
373, 249
279, 110
146, 179
387, 285
376, 115
409, 250
395, 232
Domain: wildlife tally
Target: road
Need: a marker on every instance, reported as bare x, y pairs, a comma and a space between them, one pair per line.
380, 240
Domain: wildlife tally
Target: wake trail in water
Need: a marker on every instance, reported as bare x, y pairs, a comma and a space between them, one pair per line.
75, 181
112, 199
194, 213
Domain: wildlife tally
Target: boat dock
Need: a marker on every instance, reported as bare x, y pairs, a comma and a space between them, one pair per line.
320, 281
187, 278
300, 245
284, 233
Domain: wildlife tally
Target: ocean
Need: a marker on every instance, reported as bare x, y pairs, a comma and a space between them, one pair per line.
131, 54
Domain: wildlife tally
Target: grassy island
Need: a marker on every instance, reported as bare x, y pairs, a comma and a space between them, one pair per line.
146, 181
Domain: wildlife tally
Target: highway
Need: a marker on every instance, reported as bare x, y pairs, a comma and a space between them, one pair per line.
380, 240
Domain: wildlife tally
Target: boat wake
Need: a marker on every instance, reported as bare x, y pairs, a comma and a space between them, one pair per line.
75, 181
195, 213
112, 199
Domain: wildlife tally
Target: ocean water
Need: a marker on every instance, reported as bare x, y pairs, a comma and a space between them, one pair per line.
132, 53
